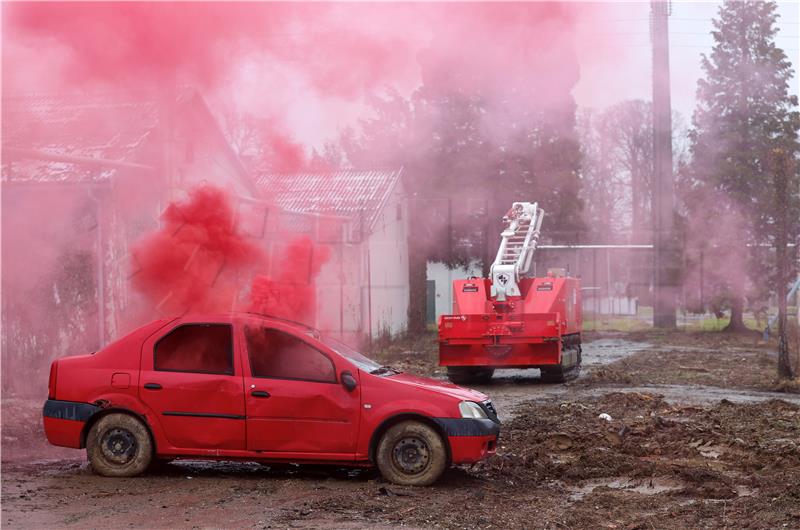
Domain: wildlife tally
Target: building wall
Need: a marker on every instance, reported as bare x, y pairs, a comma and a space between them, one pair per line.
337, 294
192, 154
386, 258
442, 278
128, 212
50, 240
68, 289
339, 288
362, 288
198, 154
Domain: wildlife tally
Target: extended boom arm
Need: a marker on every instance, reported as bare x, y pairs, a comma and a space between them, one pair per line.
515, 254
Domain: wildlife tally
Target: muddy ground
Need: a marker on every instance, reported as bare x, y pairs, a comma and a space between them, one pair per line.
697, 438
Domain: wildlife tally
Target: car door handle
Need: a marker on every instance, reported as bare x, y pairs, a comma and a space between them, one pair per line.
260, 393
152, 386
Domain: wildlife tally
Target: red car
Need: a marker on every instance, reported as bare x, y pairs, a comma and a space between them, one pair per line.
251, 387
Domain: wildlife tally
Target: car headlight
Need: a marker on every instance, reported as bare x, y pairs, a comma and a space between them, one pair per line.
470, 409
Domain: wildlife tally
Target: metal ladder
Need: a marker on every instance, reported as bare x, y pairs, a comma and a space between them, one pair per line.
516, 242
515, 255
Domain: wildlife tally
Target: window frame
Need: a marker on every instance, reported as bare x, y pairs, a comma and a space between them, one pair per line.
231, 357
296, 337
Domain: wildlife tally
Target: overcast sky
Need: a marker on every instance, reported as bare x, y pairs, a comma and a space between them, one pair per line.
690, 27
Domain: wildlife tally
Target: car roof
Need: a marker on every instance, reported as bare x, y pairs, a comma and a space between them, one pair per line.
199, 317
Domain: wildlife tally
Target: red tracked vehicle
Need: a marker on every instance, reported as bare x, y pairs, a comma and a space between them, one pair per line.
510, 320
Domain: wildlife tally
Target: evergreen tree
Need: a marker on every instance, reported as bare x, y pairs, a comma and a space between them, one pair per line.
743, 116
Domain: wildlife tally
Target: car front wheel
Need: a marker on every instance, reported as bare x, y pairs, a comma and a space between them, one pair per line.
411, 453
119, 445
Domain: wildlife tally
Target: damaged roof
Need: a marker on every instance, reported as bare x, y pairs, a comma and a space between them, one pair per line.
95, 126
65, 138
357, 194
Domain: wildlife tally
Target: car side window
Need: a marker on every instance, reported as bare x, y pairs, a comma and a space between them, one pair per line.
280, 355
203, 348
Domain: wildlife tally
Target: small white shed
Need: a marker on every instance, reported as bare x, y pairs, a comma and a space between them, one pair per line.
440, 287
363, 289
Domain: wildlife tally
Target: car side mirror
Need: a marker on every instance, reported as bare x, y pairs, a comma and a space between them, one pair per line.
348, 381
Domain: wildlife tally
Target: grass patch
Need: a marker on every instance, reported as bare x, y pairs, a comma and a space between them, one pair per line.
615, 323
712, 323
644, 321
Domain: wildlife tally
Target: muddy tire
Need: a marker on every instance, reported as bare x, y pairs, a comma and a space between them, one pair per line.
119, 445
469, 376
411, 454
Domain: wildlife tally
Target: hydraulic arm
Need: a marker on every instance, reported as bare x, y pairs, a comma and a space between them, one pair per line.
515, 255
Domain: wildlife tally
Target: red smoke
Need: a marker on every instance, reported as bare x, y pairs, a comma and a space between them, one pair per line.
110, 40
285, 155
292, 293
187, 263
307, 67
199, 42
198, 261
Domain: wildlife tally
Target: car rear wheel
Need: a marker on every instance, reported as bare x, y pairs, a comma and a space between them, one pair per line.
119, 445
411, 454
465, 376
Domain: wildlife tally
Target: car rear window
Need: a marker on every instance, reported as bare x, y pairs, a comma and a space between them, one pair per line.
204, 348
281, 355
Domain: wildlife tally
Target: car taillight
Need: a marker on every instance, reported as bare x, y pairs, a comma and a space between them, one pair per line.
51, 385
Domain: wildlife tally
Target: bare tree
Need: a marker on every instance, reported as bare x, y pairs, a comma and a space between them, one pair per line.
627, 128
243, 132
618, 166
602, 189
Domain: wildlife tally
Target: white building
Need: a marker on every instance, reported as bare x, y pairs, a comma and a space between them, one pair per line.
440, 287
363, 289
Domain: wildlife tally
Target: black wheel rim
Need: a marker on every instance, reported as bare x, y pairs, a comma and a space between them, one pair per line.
118, 445
411, 455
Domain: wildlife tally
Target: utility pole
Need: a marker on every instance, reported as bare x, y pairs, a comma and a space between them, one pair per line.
781, 167
665, 246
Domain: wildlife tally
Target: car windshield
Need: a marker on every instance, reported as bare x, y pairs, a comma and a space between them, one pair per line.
363, 362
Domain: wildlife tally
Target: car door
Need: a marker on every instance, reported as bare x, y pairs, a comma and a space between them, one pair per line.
190, 380
294, 399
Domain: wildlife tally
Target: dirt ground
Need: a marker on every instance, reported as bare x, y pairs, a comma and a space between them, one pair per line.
693, 359
697, 439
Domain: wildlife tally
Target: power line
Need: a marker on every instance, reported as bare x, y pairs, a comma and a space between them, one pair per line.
607, 20
778, 22
648, 45
701, 33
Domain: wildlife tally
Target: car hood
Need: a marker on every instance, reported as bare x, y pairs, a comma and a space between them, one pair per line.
441, 387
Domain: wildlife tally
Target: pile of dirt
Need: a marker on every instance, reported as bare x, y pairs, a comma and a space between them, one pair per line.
651, 465
635, 426
745, 457
729, 367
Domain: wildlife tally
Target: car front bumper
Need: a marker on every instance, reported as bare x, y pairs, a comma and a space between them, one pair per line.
471, 439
